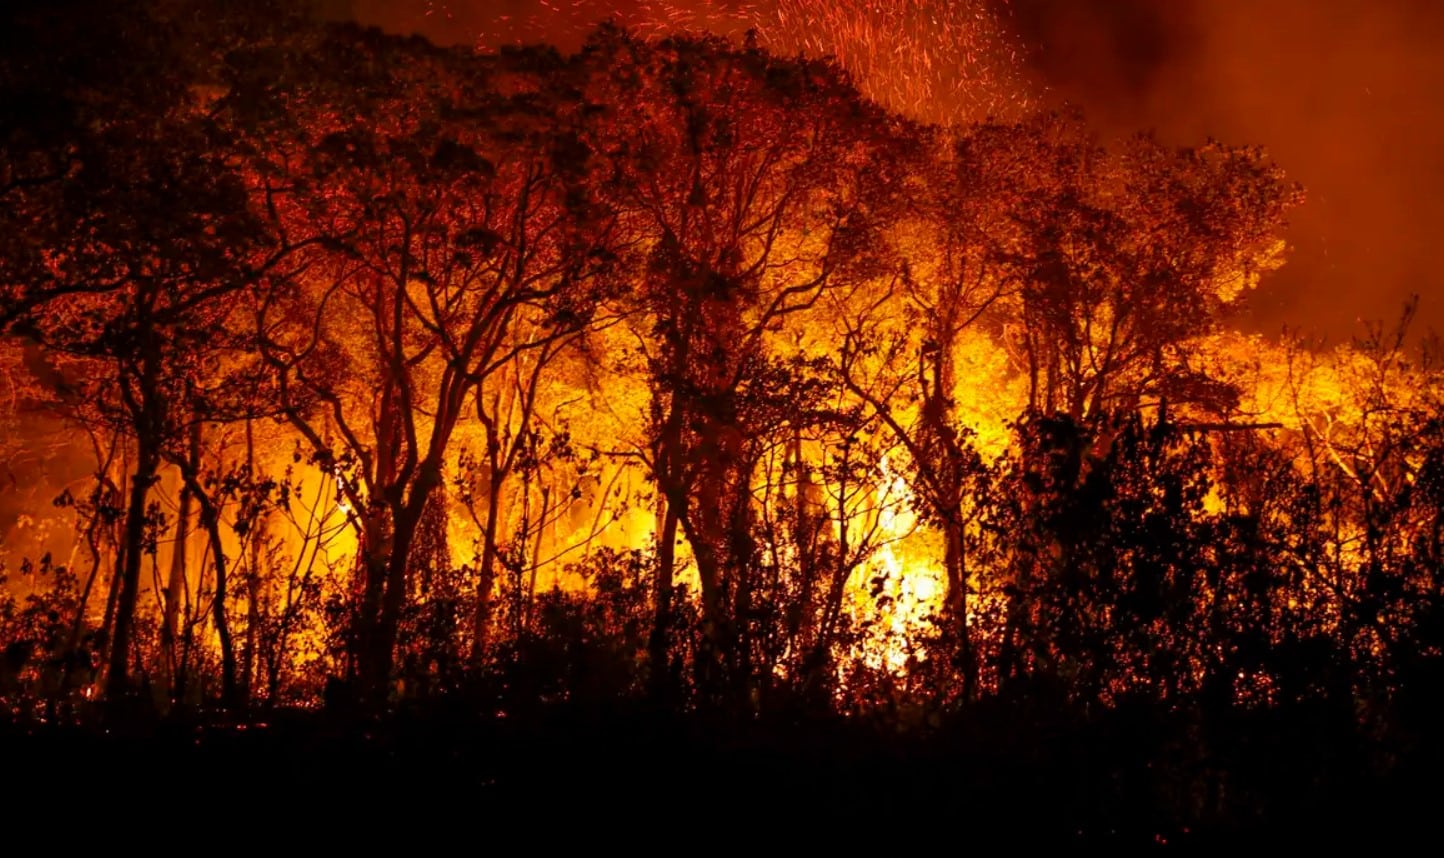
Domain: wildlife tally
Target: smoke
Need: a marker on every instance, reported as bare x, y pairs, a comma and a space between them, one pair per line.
1343, 94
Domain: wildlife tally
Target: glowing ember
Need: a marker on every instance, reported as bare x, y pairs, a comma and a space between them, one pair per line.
937, 60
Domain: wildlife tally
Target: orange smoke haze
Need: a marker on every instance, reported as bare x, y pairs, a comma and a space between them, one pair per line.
1343, 94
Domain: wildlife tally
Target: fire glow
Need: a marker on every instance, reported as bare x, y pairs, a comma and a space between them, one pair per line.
765, 375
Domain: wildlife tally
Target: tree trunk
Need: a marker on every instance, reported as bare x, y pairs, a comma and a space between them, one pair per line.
127, 585
376, 550
710, 660
176, 584
73, 653
380, 658
253, 624
842, 569
211, 521
486, 580
741, 560
251, 545
535, 560
376, 673
658, 644
955, 561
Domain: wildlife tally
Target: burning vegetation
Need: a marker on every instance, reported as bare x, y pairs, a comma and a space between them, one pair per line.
342, 369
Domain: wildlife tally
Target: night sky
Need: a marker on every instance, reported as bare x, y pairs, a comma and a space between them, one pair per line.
1343, 94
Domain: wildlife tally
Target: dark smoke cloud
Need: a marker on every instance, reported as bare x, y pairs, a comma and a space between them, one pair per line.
1345, 94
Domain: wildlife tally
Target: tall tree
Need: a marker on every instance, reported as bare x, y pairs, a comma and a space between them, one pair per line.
127, 227
747, 176
1124, 256
945, 277
449, 203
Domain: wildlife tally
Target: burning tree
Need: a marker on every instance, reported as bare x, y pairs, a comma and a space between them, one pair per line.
132, 233
747, 181
446, 208
1124, 258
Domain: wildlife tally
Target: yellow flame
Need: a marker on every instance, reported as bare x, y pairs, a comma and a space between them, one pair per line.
900, 589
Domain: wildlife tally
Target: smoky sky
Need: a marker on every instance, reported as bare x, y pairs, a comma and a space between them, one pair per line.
1343, 94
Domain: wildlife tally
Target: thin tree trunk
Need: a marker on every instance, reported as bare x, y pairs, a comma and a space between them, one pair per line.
126, 588
211, 519
481, 624
658, 644
253, 624
175, 585
72, 653
535, 558
956, 564
254, 534
821, 644
741, 559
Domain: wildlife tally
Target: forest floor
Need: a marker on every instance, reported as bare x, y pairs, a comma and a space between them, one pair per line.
630, 777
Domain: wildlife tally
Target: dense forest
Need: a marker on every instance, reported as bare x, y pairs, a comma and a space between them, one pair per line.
673, 388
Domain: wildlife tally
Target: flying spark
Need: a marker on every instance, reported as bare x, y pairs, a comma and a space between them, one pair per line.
945, 61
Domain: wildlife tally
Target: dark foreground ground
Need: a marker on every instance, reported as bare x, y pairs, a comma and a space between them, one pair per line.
628, 777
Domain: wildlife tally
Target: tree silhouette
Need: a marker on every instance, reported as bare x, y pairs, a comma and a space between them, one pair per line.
746, 176
450, 232
1123, 257
137, 231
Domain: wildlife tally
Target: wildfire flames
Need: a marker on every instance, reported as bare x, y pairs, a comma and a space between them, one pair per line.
360, 363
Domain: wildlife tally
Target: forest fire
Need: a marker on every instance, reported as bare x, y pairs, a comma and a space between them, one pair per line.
755, 363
